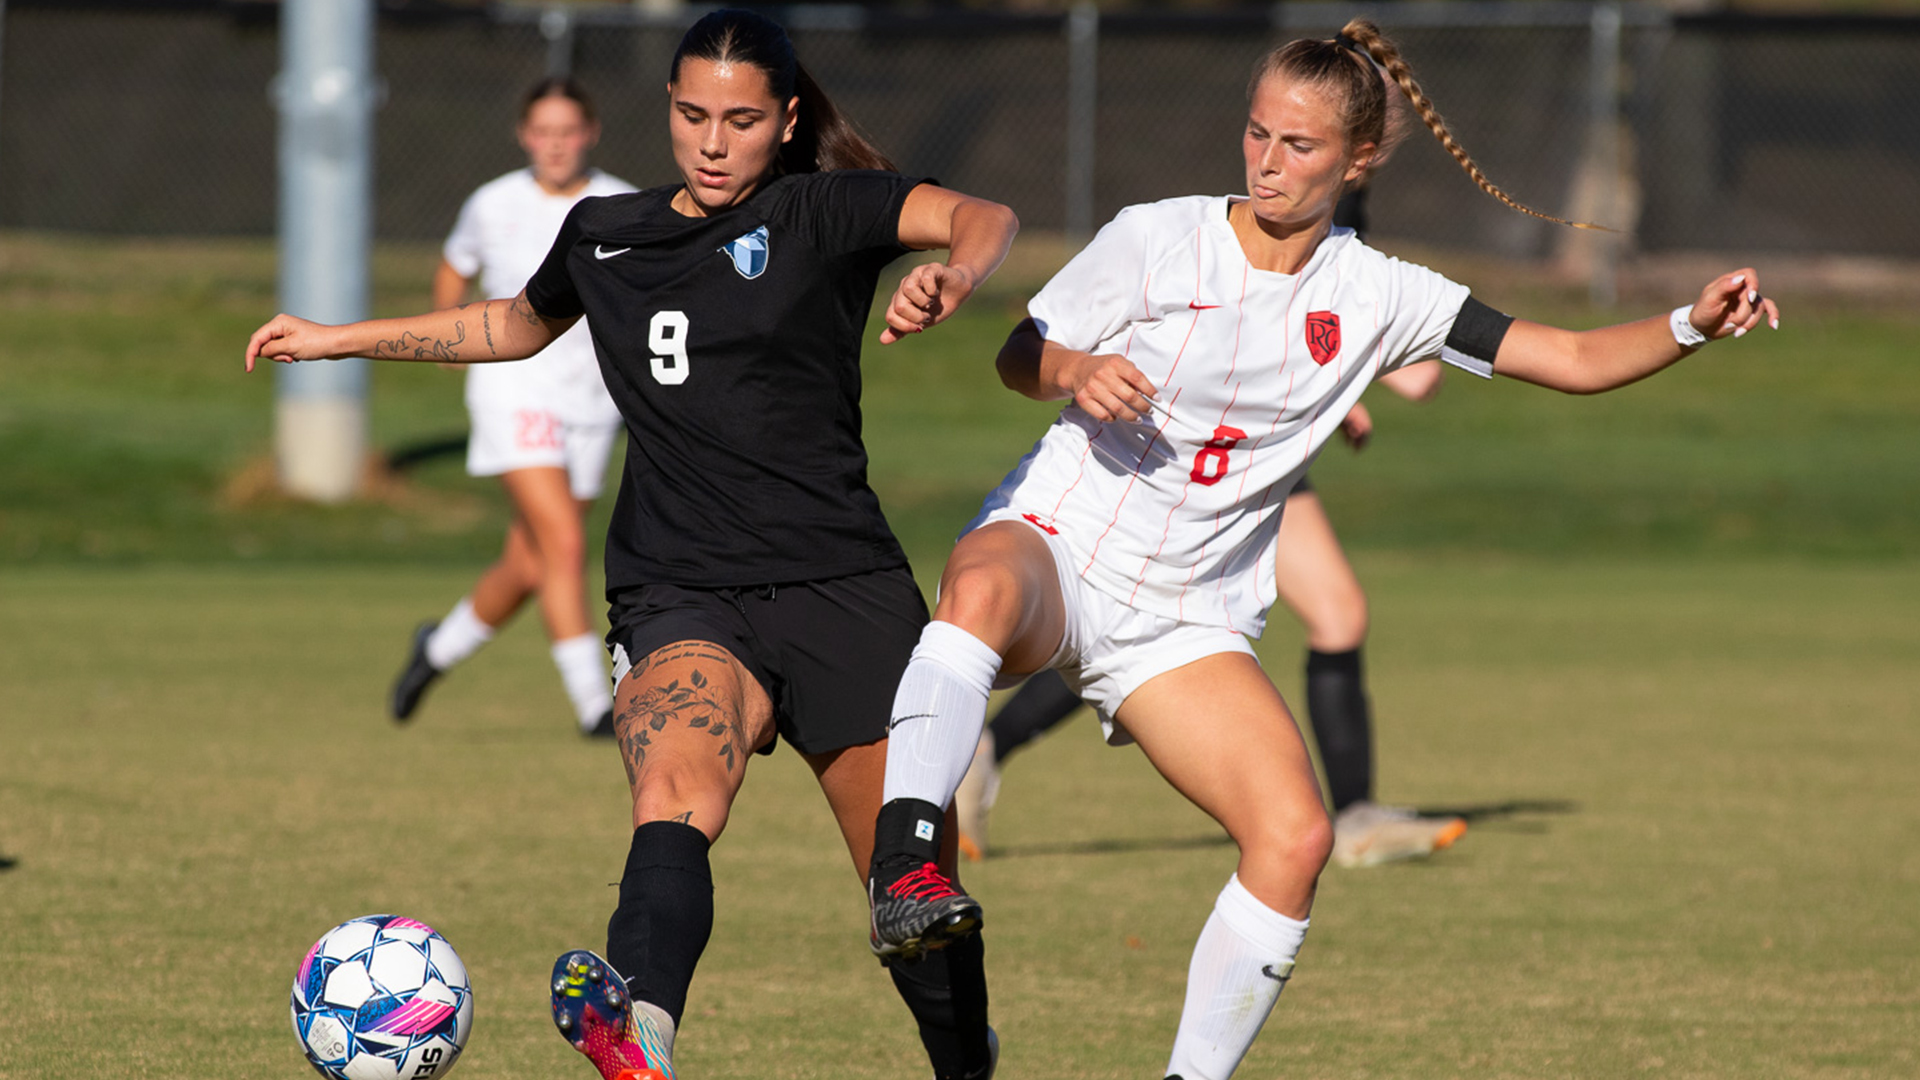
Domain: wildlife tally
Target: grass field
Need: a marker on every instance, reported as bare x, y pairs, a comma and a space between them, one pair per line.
1660, 646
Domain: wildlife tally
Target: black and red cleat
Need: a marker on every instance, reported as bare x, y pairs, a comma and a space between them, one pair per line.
916, 909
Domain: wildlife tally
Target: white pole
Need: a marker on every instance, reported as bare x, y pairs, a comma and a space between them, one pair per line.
326, 96
1083, 90
556, 25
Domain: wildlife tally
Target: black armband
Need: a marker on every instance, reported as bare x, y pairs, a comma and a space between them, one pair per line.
1475, 338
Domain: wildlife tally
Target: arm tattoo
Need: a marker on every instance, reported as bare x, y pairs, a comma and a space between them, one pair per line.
410, 345
486, 324
684, 819
519, 306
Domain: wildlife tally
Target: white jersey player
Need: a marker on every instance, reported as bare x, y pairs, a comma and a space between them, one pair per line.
552, 409
544, 425
1210, 347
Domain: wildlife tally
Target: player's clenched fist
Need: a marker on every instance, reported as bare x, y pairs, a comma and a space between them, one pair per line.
1108, 387
1732, 304
926, 296
286, 339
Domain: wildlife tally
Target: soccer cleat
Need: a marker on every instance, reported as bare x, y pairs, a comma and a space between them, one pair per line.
916, 909
1367, 834
975, 798
593, 1011
415, 677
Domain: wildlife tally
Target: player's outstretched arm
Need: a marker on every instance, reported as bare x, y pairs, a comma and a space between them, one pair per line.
975, 234
478, 333
1592, 361
1106, 386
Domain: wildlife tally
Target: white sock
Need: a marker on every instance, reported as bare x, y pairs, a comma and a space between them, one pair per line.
458, 636
938, 714
1240, 964
583, 670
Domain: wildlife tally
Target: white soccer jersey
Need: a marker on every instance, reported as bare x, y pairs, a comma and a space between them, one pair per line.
1178, 514
502, 236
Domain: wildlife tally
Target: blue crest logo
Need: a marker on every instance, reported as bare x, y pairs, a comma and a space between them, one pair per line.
749, 253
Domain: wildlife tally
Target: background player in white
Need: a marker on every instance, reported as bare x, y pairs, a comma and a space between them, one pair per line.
1210, 346
544, 426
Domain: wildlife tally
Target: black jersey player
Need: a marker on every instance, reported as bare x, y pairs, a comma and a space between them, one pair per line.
756, 589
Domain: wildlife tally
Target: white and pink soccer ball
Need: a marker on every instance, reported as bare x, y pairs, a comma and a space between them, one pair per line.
382, 997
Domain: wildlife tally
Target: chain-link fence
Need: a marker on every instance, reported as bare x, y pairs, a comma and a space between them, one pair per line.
1692, 133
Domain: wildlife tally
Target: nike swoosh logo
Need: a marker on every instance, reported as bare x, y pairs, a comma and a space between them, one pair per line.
1267, 970
896, 721
1198, 306
602, 253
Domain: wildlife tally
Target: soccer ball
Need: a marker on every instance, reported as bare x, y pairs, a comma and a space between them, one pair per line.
382, 997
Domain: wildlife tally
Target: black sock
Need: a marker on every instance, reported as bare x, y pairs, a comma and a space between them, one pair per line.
665, 916
1342, 724
907, 832
1040, 704
947, 992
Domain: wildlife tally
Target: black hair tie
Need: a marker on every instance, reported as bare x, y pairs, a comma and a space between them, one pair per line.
1351, 45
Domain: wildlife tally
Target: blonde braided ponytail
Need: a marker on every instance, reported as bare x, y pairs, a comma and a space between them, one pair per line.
1366, 37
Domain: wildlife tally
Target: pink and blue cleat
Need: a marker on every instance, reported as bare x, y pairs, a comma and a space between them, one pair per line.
594, 1012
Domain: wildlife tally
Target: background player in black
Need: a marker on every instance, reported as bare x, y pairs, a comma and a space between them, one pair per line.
755, 586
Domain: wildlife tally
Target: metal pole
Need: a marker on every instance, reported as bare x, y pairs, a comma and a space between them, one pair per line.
326, 96
556, 25
1604, 122
1083, 99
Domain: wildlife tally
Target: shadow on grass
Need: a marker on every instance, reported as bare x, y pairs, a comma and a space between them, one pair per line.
1110, 847
1480, 814
8, 863
1503, 813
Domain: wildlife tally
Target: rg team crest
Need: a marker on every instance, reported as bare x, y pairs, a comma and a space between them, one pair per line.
1323, 336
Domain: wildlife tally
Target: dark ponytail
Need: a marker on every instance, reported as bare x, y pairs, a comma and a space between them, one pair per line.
823, 138
558, 86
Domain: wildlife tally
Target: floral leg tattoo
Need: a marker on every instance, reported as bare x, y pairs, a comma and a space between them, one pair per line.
693, 704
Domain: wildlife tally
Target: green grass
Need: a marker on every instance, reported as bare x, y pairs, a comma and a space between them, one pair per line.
126, 428
1660, 645
1694, 852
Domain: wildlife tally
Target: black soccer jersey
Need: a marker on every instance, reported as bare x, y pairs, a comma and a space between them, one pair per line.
731, 344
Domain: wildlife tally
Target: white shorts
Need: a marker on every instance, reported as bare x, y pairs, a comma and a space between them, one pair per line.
504, 440
1108, 649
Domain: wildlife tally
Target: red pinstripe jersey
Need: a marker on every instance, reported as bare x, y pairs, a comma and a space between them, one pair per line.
1177, 514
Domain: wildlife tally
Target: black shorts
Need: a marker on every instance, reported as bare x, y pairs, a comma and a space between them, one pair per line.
1302, 486
829, 653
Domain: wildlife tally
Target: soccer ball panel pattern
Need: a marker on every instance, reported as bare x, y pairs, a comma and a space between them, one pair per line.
380, 998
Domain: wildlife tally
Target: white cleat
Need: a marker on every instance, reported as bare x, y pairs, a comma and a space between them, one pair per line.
1367, 834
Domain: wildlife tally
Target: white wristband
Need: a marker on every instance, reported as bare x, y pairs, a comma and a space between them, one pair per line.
1682, 326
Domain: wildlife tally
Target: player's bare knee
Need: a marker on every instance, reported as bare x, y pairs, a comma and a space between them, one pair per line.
564, 554
673, 790
984, 598
1338, 625
1290, 846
